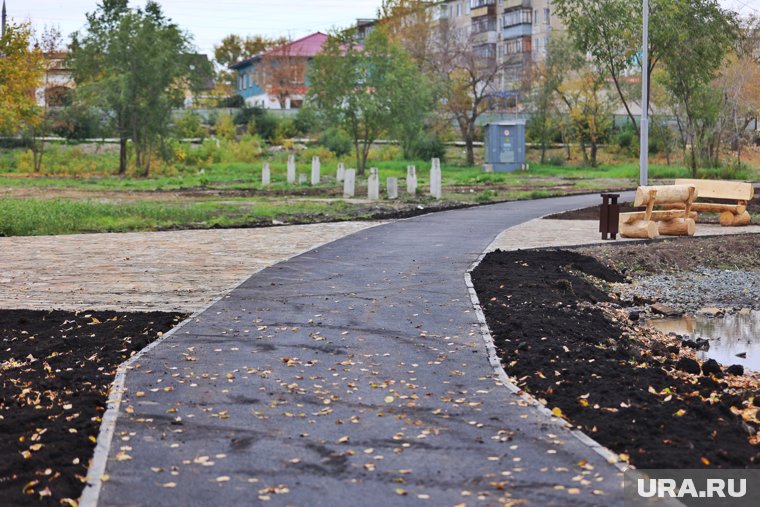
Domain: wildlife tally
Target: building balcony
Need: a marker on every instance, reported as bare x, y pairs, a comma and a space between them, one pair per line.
523, 30
482, 25
512, 4
482, 8
485, 37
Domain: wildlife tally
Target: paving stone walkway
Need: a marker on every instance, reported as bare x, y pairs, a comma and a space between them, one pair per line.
168, 271
354, 374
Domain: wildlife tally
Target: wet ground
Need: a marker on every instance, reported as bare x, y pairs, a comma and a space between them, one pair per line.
734, 338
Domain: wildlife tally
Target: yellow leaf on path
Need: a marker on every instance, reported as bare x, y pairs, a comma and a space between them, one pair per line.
400, 491
69, 502
223, 478
169, 485
680, 413
557, 412
388, 399
35, 447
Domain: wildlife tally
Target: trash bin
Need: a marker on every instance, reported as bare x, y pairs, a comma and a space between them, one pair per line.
609, 216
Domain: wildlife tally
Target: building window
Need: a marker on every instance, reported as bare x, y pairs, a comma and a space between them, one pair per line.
459, 9
517, 17
547, 16
517, 46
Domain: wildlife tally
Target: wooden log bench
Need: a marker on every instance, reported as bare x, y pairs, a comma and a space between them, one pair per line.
651, 223
732, 213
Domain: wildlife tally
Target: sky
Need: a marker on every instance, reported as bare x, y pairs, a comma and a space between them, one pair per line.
210, 20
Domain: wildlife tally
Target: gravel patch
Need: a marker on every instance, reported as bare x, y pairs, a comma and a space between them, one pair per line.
688, 292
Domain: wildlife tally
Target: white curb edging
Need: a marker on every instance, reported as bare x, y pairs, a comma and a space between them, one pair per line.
495, 362
97, 468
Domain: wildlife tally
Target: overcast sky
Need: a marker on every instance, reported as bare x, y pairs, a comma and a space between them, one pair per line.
210, 20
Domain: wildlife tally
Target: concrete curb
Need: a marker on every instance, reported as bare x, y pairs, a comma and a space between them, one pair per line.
96, 471
495, 362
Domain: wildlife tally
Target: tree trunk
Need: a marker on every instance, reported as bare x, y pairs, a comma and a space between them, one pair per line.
122, 156
594, 149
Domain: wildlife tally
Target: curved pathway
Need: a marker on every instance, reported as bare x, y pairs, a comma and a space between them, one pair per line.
354, 374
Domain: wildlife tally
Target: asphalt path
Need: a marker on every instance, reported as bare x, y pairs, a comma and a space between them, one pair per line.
354, 374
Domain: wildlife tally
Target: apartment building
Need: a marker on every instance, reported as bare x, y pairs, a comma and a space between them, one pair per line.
514, 33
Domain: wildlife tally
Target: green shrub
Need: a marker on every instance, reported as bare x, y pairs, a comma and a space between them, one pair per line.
189, 126
337, 141
555, 160
247, 150
486, 196
316, 151
286, 129
224, 127
428, 147
306, 120
264, 126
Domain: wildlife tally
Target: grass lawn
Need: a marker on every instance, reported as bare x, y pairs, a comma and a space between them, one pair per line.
79, 192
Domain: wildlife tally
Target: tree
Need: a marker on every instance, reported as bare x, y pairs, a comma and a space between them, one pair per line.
701, 35
467, 75
367, 90
284, 73
408, 23
50, 43
130, 62
234, 48
549, 76
611, 32
21, 71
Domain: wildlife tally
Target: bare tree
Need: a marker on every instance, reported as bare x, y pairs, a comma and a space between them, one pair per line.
468, 74
284, 73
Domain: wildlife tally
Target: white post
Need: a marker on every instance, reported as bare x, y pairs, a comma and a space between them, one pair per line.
291, 169
266, 176
373, 185
341, 172
435, 179
411, 180
392, 186
315, 167
349, 184
644, 156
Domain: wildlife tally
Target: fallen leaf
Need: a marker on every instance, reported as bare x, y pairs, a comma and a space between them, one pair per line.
169, 485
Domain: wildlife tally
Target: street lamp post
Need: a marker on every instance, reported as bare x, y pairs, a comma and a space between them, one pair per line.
644, 156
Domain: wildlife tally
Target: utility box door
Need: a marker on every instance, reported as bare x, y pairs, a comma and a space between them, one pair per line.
505, 146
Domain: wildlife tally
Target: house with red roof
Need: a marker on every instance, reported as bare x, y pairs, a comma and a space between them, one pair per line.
277, 79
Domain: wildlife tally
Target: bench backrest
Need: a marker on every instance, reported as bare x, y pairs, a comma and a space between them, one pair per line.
721, 189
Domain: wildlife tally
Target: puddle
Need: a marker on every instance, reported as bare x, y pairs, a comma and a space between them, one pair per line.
729, 335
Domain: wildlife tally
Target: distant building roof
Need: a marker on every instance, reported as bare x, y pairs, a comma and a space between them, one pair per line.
305, 47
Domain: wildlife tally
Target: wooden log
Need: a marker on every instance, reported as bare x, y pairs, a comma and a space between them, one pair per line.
635, 216
708, 207
721, 189
677, 227
639, 229
728, 219
664, 193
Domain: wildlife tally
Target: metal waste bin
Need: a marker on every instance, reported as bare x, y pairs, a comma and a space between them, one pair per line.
609, 216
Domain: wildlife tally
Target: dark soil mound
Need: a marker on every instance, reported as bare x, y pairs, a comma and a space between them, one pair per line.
55, 372
576, 359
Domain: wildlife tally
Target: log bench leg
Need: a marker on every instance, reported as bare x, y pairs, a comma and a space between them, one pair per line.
639, 229
677, 227
728, 219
